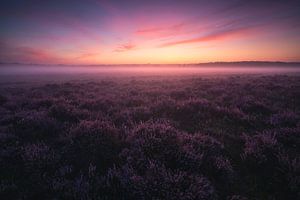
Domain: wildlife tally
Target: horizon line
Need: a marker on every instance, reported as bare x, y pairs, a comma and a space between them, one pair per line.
200, 63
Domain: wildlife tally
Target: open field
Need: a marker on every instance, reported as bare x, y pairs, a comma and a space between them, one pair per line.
191, 137
150, 100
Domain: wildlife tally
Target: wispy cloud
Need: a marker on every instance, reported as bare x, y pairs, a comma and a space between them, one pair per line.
214, 36
160, 28
86, 56
156, 32
97, 30
125, 47
26, 54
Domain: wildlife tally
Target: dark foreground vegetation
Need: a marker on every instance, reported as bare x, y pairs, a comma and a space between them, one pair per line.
232, 138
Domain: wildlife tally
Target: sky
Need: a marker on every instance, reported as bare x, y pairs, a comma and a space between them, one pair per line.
148, 31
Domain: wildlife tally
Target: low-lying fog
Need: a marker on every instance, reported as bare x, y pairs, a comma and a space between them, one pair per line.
17, 72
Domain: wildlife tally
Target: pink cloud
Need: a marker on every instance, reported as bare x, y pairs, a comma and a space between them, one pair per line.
216, 36
160, 29
156, 32
86, 56
24, 54
125, 47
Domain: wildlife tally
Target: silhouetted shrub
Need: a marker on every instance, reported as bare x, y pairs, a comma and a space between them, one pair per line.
253, 106
266, 158
97, 142
157, 182
203, 154
34, 126
3, 100
156, 140
65, 113
284, 119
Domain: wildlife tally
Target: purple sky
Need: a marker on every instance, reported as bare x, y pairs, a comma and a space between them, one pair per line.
136, 31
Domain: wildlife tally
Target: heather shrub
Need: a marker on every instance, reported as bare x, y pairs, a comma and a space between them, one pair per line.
155, 140
10, 157
39, 162
251, 105
157, 182
13, 105
284, 119
34, 126
44, 102
26, 168
203, 150
237, 197
270, 166
7, 139
289, 139
5, 118
86, 184
163, 108
289, 169
3, 100
191, 113
8, 190
97, 105
205, 155
129, 117
137, 114
38, 152
233, 138
97, 142
65, 113
261, 147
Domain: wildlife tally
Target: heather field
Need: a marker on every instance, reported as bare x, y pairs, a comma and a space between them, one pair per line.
233, 137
